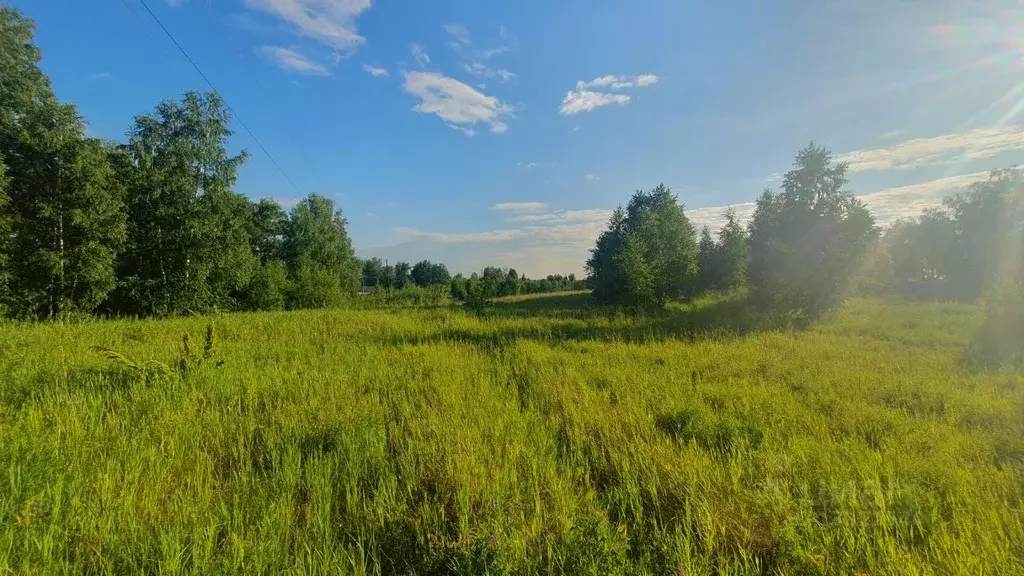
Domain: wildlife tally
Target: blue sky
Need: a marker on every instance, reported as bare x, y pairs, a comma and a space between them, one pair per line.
503, 133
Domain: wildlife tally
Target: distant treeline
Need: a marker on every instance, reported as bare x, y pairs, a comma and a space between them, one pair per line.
491, 282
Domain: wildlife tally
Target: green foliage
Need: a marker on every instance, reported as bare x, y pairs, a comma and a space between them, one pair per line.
457, 287
374, 275
1000, 341
542, 436
974, 244
731, 255
270, 287
315, 285
706, 256
403, 275
410, 296
187, 249
319, 253
662, 250
5, 238
426, 273
808, 242
269, 226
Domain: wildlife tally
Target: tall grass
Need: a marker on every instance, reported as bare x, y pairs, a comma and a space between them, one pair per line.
534, 437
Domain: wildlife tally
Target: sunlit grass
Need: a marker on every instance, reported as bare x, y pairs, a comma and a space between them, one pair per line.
545, 436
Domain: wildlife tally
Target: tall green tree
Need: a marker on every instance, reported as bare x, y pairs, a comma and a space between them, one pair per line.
319, 253
403, 274
649, 253
731, 255
808, 241
64, 205
269, 223
373, 273
707, 278
189, 246
427, 273
5, 238
989, 219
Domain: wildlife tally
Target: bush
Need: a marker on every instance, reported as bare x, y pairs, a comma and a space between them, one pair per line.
1001, 338
269, 288
316, 286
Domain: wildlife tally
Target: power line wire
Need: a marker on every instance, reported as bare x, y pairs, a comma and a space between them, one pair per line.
214, 88
254, 75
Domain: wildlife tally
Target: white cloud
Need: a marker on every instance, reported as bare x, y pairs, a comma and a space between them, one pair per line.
373, 71
458, 32
587, 215
899, 202
331, 22
455, 102
891, 134
976, 144
519, 206
578, 100
583, 99
619, 82
292, 61
591, 177
480, 69
467, 131
474, 60
527, 165
419, 54
646, 80
101, 76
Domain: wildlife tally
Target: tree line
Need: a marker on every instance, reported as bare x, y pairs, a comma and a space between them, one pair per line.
813, 243
150, 226
492, 282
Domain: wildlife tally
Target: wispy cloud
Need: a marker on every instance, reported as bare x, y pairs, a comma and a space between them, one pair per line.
372, 215
373, 71
519, 206
330, 22
419, 54
973, 145
456, 103
619, 82
101, 76
467, 131
474, 60
563, 216
292, 61
591, 177
585, 99
458, 33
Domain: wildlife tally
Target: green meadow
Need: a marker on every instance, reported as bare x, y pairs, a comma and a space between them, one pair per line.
538, 436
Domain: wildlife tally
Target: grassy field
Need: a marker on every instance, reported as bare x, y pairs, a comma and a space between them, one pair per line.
541, 436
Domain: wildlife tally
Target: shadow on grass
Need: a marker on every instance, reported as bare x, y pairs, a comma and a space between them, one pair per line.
578, 318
